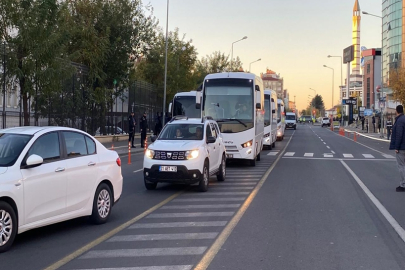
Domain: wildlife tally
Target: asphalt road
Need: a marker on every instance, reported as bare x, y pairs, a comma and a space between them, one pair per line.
321, 207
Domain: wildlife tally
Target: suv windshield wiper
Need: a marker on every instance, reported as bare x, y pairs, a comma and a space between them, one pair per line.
231, 119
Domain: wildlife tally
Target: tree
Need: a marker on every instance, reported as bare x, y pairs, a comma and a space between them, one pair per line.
181, 60
397, 84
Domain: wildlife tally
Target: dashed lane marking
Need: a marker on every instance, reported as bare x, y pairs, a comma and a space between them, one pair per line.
169, 236
368, 156
187, 215
199, 206
348, 155
178, 225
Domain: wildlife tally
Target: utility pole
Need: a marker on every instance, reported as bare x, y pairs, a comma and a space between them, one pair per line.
4, 84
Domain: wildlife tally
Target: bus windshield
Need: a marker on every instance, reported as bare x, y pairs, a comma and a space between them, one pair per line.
185, 105
230, 103
267, 109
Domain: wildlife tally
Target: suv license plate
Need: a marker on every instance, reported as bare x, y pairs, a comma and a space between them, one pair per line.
229, 156
168, 168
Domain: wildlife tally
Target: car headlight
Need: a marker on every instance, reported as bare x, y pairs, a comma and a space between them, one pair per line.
247, 144
149, 153
192, 154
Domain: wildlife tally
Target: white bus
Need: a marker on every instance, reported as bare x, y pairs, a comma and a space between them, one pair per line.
184, 104
270, 118
280, 120
235, 100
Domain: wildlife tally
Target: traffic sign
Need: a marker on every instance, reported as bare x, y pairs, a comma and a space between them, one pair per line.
351, 101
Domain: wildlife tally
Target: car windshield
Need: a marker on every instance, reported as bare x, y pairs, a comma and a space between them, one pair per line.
182, 132
290, 117
267, 109
11, 146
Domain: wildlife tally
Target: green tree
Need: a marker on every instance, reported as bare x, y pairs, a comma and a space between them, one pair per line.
397, 84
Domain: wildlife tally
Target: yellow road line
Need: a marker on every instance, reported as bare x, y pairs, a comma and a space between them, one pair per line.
108, 235
213, 250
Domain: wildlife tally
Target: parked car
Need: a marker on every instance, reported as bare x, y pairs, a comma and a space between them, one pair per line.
187, 151
111, 130
52, 174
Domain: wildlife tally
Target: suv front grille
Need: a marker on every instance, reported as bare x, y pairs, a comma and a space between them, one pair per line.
170, 155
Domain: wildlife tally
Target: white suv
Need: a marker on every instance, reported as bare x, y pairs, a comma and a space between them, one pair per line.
187, 151
325, 121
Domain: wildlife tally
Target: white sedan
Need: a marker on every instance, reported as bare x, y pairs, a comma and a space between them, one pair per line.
52, 174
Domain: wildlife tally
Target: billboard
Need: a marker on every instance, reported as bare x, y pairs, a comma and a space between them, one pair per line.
348, 54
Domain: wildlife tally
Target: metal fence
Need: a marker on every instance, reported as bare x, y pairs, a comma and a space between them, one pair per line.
71, 109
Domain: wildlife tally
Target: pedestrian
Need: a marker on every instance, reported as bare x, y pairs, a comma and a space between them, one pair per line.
389, 128
131, 129
373, 122
362, 122
143, 126
398, 144
379, 124
158, 124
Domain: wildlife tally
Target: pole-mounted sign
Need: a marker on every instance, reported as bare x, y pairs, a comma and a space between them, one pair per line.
348, 54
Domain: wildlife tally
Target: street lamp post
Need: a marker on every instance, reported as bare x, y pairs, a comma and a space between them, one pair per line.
382, 76
165, 82
250, 64
4, 85
245, 37
341, 77
333, 81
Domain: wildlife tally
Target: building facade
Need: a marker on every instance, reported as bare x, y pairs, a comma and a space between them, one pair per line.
273, 81
371, 77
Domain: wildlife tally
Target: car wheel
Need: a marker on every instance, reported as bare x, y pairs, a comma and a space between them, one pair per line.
222, 170
273, 144
295, 128
258, 157
102, 204
203, 185
8, 226
149, 186
269, 146
252, 162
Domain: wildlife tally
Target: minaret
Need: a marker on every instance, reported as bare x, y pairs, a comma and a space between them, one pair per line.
356, 38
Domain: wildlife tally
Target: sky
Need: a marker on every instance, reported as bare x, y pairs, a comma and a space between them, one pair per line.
292, 37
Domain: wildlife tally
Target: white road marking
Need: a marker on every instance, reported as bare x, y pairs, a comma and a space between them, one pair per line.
377, 203
243, 176
388, 156
138, 170
348, 155
324, 142
186, 215
272, 153
327, 155
333, 152
120, 253
178, 225
238, 183
220, 193
169, 236
368, 156
198, 206
328, 147
237, 199
168, 267
289, 154
362, 159
234, 188
308, 154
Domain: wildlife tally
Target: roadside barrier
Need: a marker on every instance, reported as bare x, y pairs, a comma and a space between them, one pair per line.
112, 147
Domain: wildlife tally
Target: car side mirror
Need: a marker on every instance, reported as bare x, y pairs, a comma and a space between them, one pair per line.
153, 138
198, 100
170, 108
258, 106
211, 140
33, 161
273, 111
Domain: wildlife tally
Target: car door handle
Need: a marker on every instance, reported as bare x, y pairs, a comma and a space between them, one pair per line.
91, 164
60, 170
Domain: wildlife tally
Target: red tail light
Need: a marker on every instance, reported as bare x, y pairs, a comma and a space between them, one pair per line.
118, 162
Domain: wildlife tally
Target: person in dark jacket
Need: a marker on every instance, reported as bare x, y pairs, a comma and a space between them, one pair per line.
131, 129
398, 144
144, 127
373, 122
362, 122
158, 124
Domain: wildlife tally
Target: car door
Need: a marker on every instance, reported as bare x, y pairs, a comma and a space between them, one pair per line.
211, 148
81, 167
217, 149
45, 185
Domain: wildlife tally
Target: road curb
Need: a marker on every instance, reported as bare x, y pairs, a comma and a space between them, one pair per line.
369, 137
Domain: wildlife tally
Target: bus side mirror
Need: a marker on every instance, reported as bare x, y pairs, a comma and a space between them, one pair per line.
273, 107
198, 100
257, 88
258, 106
170, 108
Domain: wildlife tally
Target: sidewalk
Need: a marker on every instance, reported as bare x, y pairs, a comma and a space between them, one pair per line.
371, 135
121, 147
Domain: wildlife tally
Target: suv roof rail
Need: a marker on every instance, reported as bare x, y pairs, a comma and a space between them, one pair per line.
178, 117
206, 118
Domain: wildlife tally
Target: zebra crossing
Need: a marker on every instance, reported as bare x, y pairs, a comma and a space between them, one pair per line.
333, 155
176, 236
